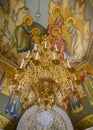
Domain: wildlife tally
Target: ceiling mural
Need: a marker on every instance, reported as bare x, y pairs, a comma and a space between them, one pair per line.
46, 50
44, 119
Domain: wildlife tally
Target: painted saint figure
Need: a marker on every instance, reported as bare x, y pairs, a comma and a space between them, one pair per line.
74, 101
72, 31
22, 34
87, 84
77, 50
12, 107
36, 39
59, 21
58, 42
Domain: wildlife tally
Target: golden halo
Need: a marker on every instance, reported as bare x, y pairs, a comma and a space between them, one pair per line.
56, 31
72, 19
56, 9
27, 20
35, 31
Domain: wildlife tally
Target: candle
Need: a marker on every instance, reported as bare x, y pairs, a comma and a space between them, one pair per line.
54, 56
64, 55
37, 56
42, 42
28, 54
22, 63
45, 44
35, 46
56, 47
75, 77
68, 64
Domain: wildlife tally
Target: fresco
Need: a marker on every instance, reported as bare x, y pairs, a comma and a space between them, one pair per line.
69, 30
15, 35
76, 34
74, 28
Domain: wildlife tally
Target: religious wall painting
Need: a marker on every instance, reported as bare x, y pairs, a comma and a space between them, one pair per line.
15, 31
7, 28
76, 101
4, 5
87, 83
84, 99
74, 26
7, 71
62, 33
69, 21
73, 100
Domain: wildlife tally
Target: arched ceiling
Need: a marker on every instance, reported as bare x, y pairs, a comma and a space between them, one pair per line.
14, 47
33, 7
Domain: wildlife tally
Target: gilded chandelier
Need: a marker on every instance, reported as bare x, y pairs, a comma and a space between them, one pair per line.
42, 78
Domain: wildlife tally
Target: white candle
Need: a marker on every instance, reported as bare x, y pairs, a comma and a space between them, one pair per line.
37, 56
28, 54
75, 77
22, 63
54, 56
35, 46
45, 44
68, 64
56, 47
64, 55
42, 42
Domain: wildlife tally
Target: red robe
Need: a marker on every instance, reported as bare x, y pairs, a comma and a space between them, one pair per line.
59, 22
60, 45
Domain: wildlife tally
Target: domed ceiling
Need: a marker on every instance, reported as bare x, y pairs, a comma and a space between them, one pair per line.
65, 26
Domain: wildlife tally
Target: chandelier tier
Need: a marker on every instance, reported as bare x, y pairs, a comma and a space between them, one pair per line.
41, 79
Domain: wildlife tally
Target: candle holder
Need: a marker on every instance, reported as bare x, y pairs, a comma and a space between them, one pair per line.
35, 48
56, 62
72, 70
36, 62
40, 83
